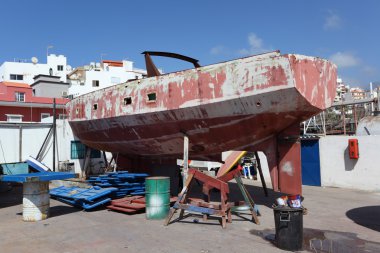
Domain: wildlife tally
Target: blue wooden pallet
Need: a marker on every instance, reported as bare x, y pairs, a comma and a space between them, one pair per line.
36, 177
86, 198
126, 183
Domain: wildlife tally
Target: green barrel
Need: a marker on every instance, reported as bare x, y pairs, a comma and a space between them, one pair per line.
157, 195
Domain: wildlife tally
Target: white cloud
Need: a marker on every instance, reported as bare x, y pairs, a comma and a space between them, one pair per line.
344, 59
369, 70
255, 45
333, 21
217, 50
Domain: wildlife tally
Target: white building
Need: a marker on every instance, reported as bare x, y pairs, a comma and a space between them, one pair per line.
101, 75
22, 71
341, 90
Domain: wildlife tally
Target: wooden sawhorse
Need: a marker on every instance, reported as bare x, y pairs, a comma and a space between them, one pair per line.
223, 210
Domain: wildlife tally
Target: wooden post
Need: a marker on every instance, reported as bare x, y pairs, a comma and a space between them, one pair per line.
185, 168
261, 174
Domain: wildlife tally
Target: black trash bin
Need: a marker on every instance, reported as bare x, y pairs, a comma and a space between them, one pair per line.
289, 227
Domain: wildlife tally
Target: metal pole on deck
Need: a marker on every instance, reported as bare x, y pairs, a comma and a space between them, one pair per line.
54, 133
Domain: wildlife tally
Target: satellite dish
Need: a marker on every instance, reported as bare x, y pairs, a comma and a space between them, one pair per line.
34, 60
68, 68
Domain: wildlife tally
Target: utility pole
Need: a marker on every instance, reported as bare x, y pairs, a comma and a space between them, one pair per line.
54, 132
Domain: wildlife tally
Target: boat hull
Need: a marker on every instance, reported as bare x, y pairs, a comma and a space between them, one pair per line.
253, 104
236, 124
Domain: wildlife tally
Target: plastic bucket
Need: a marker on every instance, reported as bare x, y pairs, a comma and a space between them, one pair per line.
157, 197
289, 227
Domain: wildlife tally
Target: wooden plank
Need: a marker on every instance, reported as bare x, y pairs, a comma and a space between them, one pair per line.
198, 209
230, 162
248, 199
121, 209
181, 197
261, 174
135, 206
222, 186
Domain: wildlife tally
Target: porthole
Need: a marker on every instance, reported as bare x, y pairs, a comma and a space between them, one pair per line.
127, 101
152, 96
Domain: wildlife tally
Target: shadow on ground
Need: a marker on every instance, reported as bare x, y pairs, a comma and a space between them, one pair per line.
367, 216
321, 241
10, 195
62, 210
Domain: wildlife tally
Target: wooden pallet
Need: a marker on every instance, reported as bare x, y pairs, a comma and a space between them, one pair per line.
132, 204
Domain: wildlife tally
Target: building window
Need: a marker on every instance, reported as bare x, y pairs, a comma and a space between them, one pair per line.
95, 107
78, 151
20, 96
14, 117
60, 67
44, 115
95, 83
16, 77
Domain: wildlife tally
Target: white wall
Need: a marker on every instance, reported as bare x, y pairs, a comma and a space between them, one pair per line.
33, 136
338, 170
106, 77
53, 61
30, 70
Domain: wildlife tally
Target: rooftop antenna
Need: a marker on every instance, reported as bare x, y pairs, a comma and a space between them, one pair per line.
47, 50
101, 56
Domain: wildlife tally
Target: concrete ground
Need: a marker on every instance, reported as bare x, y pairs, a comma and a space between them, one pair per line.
338, 220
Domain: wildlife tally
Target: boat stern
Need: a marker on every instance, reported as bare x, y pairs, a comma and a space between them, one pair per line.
315, 79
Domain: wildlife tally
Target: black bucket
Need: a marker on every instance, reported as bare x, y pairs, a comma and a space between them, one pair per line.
289, 227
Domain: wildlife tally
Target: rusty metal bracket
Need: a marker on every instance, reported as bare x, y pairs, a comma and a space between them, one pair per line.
152, 69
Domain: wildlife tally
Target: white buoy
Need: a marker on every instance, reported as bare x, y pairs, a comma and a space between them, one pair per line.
36, 201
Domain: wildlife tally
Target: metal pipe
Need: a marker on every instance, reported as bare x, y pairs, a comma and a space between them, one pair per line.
371, 95
39, 158
344, 120
20, 144
54, 133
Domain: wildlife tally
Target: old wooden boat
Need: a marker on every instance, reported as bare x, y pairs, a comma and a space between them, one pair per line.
251, 103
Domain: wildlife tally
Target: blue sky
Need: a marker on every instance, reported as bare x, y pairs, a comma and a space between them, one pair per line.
347, 32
